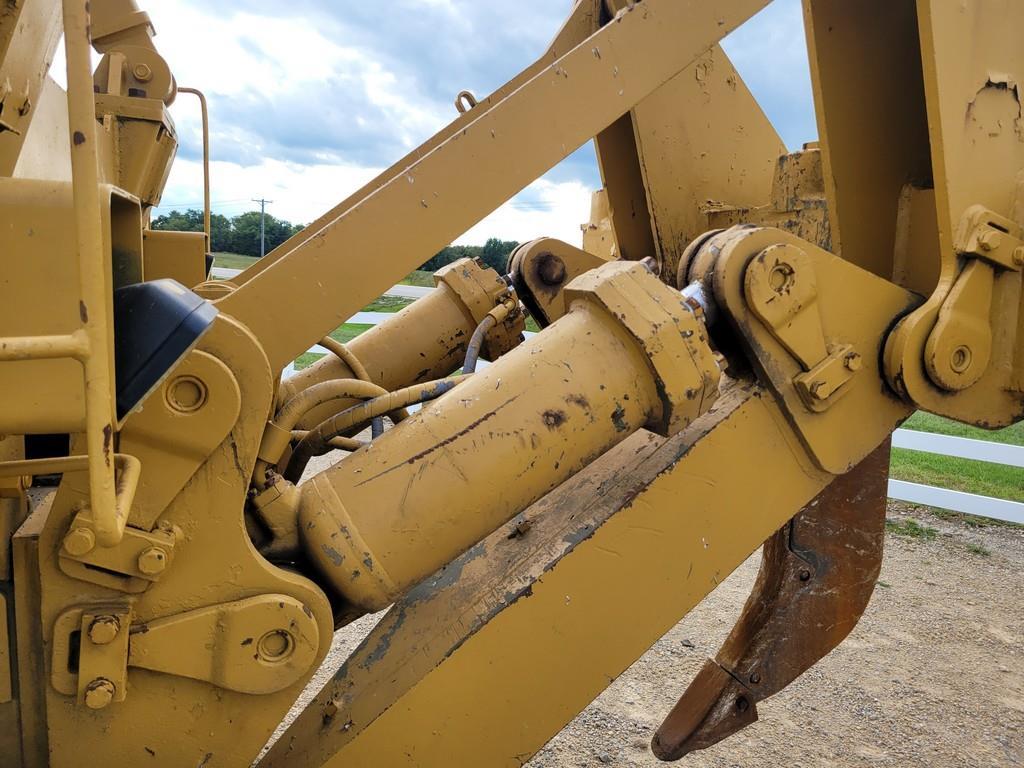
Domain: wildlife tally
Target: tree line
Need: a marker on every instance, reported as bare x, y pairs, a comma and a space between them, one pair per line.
241, 234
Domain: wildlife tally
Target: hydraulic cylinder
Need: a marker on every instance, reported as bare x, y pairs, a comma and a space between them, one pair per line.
424, 341
630, 353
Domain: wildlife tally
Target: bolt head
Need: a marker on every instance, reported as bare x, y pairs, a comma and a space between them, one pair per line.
79, 542
818, 390
99, 693
143, 73
153, 561
989, 241
551, 269
104, 629
853, 362
1018, 256
960, 360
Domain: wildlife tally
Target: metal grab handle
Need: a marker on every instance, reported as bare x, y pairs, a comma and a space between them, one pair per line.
129, 470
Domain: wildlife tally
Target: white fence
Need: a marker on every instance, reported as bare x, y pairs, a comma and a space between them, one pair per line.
927, 442
958, 501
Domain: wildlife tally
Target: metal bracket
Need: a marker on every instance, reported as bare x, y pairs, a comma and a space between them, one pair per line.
986, 235
98, 673
959, 348
781, 291
848, 330
540, 271
131, 566
259, 645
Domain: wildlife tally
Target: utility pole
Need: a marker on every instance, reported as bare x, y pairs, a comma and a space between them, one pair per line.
263, 217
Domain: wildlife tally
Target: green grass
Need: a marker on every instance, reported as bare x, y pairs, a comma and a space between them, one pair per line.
349, 331
978, 549
388, 304
345, 334
995, 480
926, 422
233, 261
420, 278
306, 359
911, 529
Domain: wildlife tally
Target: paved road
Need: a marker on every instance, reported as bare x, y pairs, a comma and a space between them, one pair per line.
401, 291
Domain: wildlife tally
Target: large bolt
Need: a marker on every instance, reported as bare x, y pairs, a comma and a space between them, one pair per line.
819, 390
990, 241
143, 73
79, 542
961, 359
275, 646
104, 629
99, 693
551, 269
1018, 256
186, 394
153, 561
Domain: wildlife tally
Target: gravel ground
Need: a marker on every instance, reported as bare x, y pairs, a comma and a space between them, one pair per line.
932, 676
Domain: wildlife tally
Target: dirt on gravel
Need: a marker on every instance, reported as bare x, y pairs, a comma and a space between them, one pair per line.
932, 676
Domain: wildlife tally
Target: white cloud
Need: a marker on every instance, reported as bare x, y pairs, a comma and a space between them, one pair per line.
301, 193
308, 104
234, 61
554, 210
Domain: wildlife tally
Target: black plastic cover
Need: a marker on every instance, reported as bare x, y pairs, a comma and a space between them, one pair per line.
155, 325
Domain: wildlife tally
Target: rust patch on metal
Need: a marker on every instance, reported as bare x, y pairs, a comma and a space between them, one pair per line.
554, 419
817, 576
619, 419
108, 439
78, 138
333, 555
579, 400
83, 312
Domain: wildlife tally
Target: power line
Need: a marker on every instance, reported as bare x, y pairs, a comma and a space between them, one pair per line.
263, 216
200, 203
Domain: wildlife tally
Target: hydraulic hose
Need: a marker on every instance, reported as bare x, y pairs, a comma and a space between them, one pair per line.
318, 440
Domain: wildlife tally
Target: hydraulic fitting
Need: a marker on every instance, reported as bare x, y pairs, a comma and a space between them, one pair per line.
425, 341
628, 354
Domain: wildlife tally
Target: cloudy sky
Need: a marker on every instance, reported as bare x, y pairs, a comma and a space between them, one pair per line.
309, 99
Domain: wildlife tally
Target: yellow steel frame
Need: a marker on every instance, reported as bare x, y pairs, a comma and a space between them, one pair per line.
482, 662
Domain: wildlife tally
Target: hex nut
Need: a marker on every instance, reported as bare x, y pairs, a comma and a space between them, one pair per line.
79, 542
853, 362
99, 693
990, 241
153, 561
1018, 256
143, 73
104, 629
